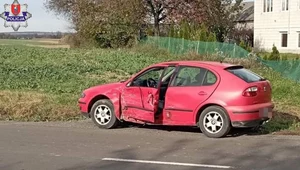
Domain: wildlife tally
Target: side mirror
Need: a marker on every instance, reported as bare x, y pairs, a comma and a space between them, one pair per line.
134, 83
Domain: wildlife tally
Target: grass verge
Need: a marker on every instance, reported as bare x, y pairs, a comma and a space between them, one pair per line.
41, 84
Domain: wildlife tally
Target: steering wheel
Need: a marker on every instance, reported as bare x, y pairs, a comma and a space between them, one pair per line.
151, 82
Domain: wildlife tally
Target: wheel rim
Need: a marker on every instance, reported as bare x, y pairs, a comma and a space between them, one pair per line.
213, 122
102, 114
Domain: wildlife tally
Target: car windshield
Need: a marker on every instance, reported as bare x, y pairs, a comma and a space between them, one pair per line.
245, 74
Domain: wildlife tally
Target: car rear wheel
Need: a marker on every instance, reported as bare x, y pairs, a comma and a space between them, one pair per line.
103, 114
214, 122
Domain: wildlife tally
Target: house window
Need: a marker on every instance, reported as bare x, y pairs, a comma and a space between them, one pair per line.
285, 5
268, 5
284, 39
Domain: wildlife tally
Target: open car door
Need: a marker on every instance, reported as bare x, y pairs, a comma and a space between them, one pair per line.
140, 99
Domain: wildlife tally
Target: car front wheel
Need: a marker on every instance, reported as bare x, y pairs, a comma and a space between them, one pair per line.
103, 115
214, 122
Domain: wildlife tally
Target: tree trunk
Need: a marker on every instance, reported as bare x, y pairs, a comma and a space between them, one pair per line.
156, 25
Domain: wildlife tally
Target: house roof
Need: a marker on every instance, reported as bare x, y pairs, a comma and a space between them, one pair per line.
247, 13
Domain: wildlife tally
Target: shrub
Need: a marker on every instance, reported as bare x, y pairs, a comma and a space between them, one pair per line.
193, 32
284, 57
266, 57
275, 55
245, 46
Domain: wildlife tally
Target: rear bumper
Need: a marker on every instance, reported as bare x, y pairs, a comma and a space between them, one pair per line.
251, 123
250, 116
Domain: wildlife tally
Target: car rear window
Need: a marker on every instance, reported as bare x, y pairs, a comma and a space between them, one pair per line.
245, 74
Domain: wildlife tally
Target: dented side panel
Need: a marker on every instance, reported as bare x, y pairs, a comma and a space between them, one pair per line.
133, 105
114, 96
150, 99
131, 97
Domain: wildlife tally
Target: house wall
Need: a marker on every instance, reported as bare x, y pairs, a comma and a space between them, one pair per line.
269, 25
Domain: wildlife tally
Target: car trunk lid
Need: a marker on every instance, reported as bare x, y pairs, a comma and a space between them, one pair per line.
257, 89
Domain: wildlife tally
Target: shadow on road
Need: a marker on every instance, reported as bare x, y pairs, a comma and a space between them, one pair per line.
235, 132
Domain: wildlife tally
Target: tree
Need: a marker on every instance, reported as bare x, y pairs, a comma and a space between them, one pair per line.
101, 20
218, 15
173, 11
221, 15
108, 20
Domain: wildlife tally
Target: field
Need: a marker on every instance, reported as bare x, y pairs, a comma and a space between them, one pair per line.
43, 84
47, 43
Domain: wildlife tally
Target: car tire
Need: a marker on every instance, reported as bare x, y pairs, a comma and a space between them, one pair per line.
103, 114
214, 122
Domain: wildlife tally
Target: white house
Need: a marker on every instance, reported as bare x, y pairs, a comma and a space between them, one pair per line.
277, 22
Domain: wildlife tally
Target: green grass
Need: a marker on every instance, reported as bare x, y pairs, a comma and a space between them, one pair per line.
42, 84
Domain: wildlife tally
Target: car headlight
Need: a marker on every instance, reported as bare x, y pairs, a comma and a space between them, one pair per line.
82, 95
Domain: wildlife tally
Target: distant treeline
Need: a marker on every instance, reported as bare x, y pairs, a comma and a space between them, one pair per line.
31, 35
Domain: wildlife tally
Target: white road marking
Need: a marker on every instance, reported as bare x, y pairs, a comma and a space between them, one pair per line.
166, 163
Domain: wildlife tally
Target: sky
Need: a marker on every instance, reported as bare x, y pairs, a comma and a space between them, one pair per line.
41, 19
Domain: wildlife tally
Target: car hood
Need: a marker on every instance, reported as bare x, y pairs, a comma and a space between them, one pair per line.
103, 88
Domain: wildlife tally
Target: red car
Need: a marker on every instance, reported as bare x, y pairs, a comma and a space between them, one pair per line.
212, 95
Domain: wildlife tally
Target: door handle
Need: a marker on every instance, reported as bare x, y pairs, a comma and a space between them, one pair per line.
202, 93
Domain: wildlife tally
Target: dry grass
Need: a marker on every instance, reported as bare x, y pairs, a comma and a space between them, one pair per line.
32, 106
47, 40
38, 42
49, 46
295, 132
283, 123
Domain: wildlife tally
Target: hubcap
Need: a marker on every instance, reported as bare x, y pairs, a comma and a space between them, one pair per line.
102, 114
213, 122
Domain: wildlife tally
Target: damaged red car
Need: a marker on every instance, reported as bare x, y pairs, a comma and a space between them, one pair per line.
214, 96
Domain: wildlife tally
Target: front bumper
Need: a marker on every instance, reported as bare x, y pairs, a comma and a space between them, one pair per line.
83, 107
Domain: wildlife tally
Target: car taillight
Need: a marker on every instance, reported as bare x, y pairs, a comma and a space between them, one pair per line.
250, 92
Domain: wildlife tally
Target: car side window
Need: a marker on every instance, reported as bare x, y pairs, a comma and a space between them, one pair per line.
210, 79
152, 74
194, 76
188, 76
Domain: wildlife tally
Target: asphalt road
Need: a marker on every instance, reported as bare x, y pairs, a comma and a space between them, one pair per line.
81, 145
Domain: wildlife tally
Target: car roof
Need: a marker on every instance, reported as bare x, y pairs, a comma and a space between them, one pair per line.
220, 65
